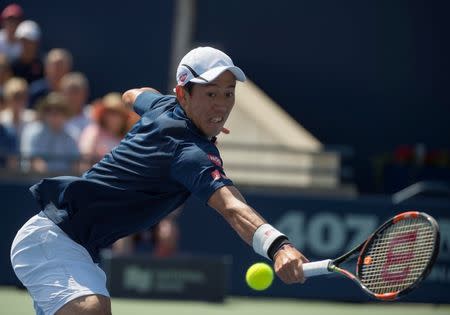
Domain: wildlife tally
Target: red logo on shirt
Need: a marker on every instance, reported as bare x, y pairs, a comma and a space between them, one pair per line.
216, 175
216, 160
183, 77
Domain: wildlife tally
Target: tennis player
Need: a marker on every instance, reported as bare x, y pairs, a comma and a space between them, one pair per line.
167, 156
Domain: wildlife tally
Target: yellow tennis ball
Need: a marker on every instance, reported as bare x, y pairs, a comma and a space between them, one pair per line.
259, 276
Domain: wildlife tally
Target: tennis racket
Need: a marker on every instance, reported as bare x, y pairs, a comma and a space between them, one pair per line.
393, 260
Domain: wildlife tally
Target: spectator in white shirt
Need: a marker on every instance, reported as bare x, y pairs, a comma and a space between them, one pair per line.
75, 88
45, 143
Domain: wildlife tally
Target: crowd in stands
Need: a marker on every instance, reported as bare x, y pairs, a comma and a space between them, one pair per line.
47, 124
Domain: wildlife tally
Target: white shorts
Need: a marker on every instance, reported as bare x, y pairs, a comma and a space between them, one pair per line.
54, 268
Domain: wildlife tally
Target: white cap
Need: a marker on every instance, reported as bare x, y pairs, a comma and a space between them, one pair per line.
204, 64
29, 30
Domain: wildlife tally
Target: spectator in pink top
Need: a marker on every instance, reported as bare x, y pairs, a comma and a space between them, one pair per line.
110, 125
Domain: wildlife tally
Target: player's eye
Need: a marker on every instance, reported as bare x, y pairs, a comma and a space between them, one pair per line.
211, 94
229, 94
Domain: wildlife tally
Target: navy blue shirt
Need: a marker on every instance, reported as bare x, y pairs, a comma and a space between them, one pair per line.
162, 161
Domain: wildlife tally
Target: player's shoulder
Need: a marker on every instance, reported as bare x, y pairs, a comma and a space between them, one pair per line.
169, 125
150, 103
161, 100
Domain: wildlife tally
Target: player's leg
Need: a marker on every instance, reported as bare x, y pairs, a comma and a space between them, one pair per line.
87, 305
55, 269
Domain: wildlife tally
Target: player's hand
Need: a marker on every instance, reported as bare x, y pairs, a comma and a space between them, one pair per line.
288, 263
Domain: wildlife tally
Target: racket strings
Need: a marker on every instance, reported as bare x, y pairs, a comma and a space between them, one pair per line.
398, 256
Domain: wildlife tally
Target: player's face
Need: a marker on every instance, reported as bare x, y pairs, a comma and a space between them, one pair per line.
209, 105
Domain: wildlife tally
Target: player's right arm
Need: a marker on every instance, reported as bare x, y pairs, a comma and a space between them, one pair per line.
200, 171
229, 202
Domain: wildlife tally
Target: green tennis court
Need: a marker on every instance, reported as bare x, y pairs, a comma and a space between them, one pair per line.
17, 302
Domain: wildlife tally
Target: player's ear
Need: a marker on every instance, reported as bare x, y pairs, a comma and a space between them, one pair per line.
181, 94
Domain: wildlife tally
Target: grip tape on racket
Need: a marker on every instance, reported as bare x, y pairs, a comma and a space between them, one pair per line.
316, 268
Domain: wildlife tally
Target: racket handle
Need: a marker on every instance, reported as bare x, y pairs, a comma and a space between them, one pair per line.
316, 268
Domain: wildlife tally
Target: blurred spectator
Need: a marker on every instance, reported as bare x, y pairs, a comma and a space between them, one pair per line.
165, 238
58, 63
110, 125
75, 88
162, 239
5, 75
7, 146
29, 64
15, 115
9, 44
46, 143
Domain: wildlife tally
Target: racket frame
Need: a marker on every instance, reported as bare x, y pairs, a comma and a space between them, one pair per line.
360, 250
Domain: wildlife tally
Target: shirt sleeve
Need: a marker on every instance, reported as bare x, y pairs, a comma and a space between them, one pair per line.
146, 101
199, 171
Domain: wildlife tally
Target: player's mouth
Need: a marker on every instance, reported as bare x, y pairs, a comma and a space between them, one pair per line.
216, 120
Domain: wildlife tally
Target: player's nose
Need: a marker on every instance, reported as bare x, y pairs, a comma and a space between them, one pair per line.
220, 107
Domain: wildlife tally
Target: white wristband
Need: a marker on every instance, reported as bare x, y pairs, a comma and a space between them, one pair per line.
264, 236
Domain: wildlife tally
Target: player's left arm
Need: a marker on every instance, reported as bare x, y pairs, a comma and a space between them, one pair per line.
254, 230
130, 96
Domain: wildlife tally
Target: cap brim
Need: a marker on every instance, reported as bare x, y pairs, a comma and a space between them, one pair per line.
212, 74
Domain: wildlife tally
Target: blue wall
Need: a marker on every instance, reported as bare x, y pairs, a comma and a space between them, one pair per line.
369, 74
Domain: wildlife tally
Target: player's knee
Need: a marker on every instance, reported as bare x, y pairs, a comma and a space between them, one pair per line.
87, 305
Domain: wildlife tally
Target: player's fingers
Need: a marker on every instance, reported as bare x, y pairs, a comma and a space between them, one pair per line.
301, 276
288, 266
283, 273
296, 271
283, 277
291, 272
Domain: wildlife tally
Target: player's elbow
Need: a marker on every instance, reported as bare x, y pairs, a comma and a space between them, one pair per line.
129, 97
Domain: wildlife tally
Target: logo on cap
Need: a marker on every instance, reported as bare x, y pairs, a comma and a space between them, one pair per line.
183, 77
